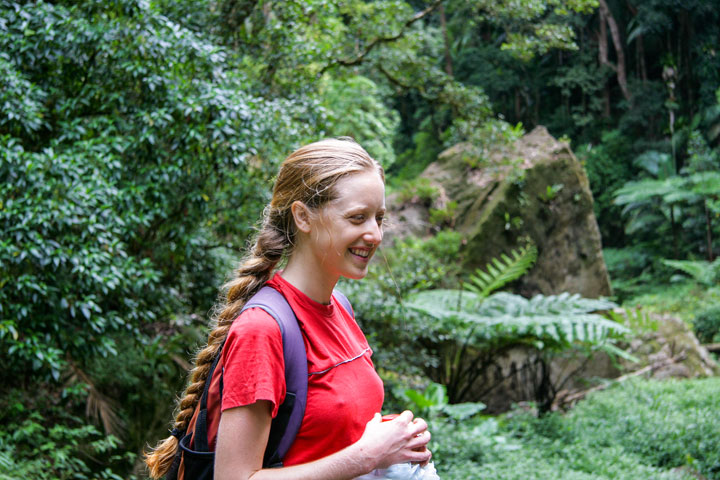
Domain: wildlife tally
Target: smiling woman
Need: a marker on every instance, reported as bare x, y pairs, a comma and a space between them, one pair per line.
326, 218
341, 238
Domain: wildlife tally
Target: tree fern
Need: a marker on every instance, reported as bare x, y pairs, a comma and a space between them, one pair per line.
562, 320
503, 270
470, 330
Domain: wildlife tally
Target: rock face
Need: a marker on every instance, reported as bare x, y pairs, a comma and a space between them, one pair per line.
535, 188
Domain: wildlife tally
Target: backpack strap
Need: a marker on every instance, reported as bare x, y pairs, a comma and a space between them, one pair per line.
286, 424
344, 302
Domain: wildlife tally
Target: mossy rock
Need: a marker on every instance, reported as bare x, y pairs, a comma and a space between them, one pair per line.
534, 189
672, 339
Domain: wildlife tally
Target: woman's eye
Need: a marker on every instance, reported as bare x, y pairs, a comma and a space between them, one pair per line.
358, 218
380, 220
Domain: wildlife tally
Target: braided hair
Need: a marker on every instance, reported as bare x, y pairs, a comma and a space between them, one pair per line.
308, 175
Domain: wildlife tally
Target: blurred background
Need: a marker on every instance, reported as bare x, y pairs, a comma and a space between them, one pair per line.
547, 294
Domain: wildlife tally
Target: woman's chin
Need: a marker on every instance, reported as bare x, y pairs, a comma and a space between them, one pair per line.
356, 275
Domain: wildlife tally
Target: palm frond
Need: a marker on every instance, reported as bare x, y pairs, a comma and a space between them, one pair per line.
503, 270
99, 407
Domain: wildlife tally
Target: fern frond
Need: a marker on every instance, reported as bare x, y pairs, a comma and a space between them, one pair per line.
441, 303
501, 271
701, 271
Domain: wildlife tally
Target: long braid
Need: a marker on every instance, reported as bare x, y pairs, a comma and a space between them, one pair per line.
249, 277
308, 175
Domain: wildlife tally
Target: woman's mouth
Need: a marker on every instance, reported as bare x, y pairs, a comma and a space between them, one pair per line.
360, 252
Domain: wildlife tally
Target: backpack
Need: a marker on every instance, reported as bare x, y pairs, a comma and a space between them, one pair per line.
198, 463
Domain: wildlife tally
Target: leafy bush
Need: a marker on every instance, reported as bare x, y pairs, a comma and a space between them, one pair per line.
419, 190
684, 299
707, 325
608, 166
137, 386
630, 270
55, 444
640, 429
626, 263
669, 423
124, 147
444, 216
354, 107
68, 274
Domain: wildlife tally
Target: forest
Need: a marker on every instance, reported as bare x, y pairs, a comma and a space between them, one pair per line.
139, 140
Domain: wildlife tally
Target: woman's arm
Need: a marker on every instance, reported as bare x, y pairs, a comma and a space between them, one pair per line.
243, 433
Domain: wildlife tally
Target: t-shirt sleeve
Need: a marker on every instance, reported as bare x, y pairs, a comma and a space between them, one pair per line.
254, 367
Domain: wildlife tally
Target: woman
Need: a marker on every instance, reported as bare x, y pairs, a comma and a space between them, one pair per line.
326, 218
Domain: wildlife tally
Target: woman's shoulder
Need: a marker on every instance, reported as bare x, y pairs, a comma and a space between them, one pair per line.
254, 322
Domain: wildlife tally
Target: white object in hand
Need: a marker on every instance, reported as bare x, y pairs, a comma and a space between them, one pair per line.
403, 471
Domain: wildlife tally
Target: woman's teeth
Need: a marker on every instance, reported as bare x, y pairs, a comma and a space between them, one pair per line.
360, 253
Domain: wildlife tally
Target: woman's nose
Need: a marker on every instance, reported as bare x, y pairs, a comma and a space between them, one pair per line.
374, 233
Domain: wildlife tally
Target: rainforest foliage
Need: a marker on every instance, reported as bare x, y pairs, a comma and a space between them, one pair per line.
139, 139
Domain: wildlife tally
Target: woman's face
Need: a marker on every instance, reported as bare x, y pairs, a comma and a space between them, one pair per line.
346, 232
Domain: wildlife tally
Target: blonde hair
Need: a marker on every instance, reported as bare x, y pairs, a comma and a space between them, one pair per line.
309, 175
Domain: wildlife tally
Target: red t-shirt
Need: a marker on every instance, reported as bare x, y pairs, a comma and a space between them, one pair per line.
344, 391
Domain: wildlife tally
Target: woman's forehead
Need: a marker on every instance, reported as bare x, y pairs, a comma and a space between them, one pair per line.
360, 189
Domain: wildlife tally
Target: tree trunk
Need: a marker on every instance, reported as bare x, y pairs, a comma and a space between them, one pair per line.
673, 228
640, 46
686, 39
607, 15
708, 232
603, 59
443, 24
602, 40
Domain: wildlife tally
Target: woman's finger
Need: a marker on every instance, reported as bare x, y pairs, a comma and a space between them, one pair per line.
418, 426
419, 456
419, 441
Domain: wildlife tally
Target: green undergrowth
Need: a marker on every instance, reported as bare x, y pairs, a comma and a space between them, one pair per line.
637, 430
44, 438
682, 299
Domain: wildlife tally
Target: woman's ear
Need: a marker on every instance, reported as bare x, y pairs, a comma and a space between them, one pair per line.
301, 215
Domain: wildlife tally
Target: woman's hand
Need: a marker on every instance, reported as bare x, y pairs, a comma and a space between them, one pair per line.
400, 440
239, 450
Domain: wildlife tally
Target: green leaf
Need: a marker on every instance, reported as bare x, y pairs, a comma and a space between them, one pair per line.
502, 271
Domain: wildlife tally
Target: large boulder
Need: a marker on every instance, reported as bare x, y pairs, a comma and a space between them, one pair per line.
534, 188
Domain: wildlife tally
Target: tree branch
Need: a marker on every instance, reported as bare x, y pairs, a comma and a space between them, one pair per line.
433, 100
360, 58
